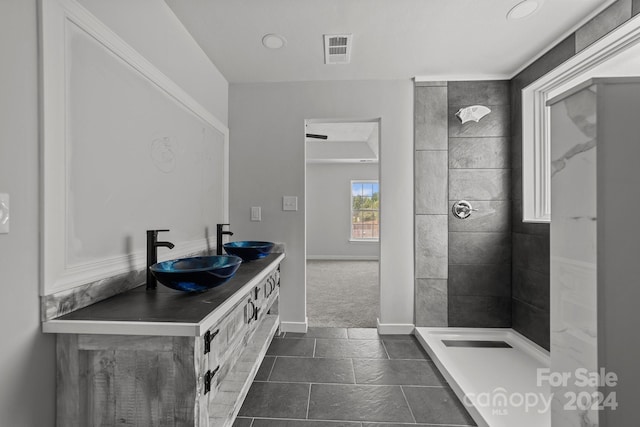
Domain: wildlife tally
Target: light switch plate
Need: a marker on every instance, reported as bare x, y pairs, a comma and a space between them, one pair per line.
4, 213
256, 213
289, 203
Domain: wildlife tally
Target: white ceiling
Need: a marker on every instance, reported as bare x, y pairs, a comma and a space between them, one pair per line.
392, 39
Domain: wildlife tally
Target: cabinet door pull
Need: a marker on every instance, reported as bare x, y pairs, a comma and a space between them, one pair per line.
269, 285
208, 377
208, 337
251, 316
272, 284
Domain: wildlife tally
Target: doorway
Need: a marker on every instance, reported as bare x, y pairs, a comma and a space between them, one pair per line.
342, 222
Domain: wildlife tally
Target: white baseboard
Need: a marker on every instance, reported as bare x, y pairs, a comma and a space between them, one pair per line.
395, 328
342, 258
300, 327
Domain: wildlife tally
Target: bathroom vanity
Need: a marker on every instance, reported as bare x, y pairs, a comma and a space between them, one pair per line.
163, 357
127, 355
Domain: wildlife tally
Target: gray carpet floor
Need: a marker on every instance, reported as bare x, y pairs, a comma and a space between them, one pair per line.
343, 293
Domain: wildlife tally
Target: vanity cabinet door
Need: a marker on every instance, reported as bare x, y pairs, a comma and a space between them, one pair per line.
114, 380
227, 340
230, 337
268, 293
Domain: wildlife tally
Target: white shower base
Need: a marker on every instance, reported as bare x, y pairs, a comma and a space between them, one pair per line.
488, 374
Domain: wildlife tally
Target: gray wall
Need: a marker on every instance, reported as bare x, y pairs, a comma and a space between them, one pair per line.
267, 162
27, 357
329, 211
530, 274
479, 172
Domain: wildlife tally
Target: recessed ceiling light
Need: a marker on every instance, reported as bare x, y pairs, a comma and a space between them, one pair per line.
273, 41
523, 9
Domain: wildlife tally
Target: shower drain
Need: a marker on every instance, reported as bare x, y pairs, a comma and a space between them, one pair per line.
476, 344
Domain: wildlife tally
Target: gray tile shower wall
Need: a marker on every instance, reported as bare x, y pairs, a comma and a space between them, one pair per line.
431, 302
467, 278
530, 274
479, 284
530, 309
431, 203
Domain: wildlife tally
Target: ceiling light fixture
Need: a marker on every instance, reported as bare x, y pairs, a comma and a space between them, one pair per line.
523, 9
273, 41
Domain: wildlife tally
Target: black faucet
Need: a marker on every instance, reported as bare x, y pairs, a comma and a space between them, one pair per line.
152, 254
219, 233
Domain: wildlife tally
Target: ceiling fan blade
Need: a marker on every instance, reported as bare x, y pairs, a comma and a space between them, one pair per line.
316, 136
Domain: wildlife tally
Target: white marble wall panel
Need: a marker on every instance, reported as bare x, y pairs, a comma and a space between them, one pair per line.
573, 252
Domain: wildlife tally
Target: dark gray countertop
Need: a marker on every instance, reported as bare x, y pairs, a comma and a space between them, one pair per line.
167, 305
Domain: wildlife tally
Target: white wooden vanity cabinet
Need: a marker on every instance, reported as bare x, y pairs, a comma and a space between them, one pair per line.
190, 374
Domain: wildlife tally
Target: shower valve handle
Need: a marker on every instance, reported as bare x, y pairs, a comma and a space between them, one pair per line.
462, 209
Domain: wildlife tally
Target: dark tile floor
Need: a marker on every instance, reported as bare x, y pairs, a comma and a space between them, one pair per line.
339, 377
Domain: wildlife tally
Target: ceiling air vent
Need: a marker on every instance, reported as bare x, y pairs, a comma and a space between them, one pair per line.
337, 48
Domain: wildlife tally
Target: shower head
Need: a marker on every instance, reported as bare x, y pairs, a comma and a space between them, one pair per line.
474, 112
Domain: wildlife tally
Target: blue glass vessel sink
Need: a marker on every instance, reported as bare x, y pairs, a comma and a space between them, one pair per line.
248, 250
196, 274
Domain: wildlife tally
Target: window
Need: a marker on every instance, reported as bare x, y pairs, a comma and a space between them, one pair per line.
365, 210
606, 57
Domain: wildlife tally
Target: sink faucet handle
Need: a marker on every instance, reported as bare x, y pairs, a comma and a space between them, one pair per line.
219, 233
152, 254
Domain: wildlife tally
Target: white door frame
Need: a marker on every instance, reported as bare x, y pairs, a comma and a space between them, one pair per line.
377, 120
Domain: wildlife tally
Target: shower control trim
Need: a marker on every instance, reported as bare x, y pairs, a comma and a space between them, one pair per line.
462, 209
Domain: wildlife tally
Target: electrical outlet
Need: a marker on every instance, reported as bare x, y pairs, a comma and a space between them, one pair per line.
289, 203
256, 213
4, 213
